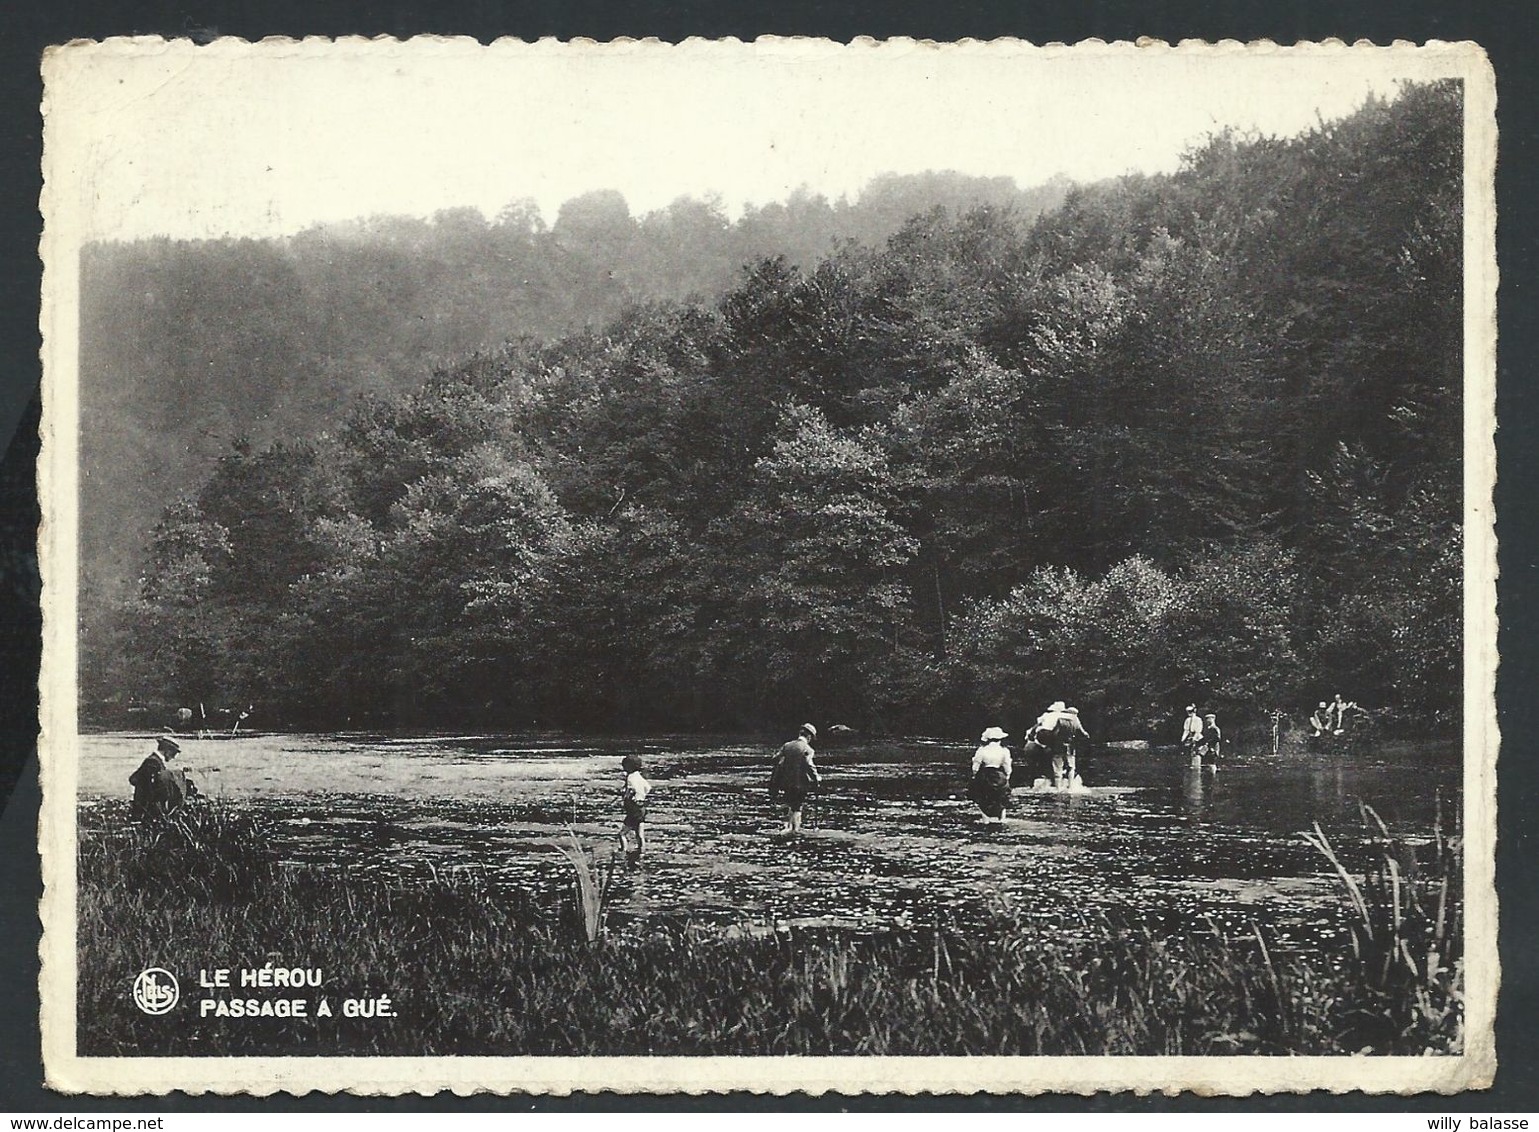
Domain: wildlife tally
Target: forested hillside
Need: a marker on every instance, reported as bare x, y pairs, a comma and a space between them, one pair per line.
188, 346
1188, 435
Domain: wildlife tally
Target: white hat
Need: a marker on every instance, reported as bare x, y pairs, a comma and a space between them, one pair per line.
1056, 705
994, 733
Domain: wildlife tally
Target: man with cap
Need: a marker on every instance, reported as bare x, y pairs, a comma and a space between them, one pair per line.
795, 776
1212, 744
159, 788
990, 789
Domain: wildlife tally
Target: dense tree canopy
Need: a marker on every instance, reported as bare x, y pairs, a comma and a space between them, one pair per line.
187, 346
1188, 435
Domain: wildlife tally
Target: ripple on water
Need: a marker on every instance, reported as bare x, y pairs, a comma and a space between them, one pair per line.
891, 840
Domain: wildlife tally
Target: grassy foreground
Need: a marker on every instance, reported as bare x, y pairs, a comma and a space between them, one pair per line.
473, 969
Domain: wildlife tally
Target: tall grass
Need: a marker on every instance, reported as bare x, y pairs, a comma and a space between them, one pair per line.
591, 895
1407, 930
474, 967
209, 852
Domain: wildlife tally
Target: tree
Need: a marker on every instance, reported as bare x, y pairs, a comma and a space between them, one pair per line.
820, 599
446, 601
1195, 434
1229, 639
182, 630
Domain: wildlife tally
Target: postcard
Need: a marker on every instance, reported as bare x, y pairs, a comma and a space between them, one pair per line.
888, 567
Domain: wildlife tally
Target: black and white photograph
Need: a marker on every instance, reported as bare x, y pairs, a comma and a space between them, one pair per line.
884, 567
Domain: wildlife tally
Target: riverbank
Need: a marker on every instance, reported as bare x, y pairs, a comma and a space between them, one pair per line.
472, 967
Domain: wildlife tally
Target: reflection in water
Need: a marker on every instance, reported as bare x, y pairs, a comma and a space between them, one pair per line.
1327, 784
895, 839
1193, 779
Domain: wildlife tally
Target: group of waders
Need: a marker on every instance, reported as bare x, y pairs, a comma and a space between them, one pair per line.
1054, 741
1051, 744
1201, 739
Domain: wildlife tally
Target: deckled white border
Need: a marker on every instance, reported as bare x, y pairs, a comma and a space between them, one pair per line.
58, 472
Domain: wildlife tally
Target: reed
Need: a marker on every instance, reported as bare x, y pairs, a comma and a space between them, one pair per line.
478, 967
591, 891
210, 851
1406, 923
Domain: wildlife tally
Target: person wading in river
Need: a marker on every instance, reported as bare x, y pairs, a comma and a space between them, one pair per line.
990, 789
1036, 748
1212, 744
634, 797
1055, 737
1191, 731
794, 777
1071, 733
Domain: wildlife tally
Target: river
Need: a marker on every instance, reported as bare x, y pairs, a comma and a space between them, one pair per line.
892, 838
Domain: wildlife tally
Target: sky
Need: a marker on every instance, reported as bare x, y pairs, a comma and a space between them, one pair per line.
145, 139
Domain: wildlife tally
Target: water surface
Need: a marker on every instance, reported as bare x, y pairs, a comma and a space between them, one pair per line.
892, 838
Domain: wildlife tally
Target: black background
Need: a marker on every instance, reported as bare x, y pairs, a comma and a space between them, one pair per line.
1506, 30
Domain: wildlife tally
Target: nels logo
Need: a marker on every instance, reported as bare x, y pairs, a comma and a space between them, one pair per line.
156, 991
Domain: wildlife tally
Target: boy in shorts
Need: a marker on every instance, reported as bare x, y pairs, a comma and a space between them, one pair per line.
634, 796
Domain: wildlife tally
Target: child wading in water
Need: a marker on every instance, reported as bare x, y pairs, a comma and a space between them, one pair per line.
635, 796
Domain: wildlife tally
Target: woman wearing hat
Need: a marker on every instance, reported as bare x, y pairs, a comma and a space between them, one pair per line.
990, 789
1191, 732
795, 776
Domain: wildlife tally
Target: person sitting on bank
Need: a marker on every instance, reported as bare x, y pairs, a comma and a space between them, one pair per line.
990, 788
159, 788
1319, 723
795, 776
634, 797
1337, 714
